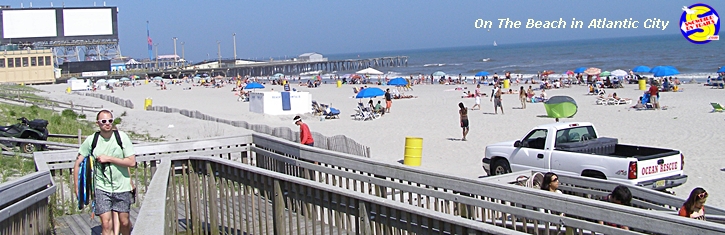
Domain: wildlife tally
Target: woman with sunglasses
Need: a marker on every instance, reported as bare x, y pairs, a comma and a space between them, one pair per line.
551, 182
694, 207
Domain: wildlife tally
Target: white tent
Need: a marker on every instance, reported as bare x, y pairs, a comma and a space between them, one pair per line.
371, 71
132, 61
619, 73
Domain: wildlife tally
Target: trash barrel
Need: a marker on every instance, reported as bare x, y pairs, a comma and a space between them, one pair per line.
339, 83
642, 84
413, 151
67, 90
506, 83
147, 103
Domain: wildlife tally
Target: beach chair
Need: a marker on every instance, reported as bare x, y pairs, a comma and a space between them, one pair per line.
331, 113
716, 107
317, 110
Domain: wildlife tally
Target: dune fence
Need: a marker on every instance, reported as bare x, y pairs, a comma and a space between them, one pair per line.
337, 143
122, 102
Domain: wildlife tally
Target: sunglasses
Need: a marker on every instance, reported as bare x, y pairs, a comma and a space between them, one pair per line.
105, 121
554, 179
702, 195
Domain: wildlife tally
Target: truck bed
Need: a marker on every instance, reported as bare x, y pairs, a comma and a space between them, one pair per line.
610, 147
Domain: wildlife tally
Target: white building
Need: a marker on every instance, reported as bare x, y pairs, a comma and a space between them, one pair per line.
311, 57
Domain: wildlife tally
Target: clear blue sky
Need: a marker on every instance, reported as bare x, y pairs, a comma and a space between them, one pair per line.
284, 27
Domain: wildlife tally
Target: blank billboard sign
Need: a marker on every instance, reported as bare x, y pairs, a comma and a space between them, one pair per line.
87, 22
29, 23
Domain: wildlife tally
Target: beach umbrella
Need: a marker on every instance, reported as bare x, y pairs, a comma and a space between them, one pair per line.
73, 78
560, 107
641, 69
253, 85
398, 82
370, 71
111, 81
569, 72
547, 72
580, 69
158, 78
439, 73
605, 73
370, 93
661, 71
721, 70
101, 81
482, 73
619, 73
278, 75
125, 79
592, 71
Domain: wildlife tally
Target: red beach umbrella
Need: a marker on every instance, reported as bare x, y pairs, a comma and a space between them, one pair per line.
569, 72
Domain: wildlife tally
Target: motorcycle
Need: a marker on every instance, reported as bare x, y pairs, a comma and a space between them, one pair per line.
26, 129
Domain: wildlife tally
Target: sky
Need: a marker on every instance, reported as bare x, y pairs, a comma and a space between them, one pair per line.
288, 28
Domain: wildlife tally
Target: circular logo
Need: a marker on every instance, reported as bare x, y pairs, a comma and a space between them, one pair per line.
700, 23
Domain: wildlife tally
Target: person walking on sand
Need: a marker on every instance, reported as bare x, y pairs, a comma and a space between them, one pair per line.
305, 135
497, 99
522, 97
463, 113
478, 97
388, 100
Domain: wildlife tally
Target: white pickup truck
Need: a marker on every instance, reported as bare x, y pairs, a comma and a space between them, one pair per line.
576, 149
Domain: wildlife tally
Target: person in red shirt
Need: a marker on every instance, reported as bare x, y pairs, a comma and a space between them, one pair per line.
653, 95
694, 207
305, 135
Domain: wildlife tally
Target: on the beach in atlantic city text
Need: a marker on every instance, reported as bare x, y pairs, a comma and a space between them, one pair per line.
603, 23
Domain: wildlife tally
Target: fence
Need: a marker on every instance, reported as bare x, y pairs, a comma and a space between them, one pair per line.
338, 143
109, 98
24, 204
234, 190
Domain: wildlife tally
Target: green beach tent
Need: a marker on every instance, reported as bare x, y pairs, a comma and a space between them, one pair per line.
560, 107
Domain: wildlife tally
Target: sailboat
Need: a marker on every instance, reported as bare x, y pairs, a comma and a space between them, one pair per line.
494, 43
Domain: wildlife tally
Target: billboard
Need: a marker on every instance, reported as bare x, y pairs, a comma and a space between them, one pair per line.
58, 24
86, 66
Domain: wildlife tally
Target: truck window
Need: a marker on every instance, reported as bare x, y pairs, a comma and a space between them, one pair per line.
575, 134
536, 139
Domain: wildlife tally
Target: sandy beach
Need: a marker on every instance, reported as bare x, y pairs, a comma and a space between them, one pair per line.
687, 124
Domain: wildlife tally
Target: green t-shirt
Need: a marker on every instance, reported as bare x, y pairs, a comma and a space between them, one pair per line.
111, 178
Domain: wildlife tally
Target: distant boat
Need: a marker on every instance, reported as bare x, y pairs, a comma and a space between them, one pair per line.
494, 44
487, 59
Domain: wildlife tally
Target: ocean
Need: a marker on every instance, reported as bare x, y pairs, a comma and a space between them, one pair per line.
692, 60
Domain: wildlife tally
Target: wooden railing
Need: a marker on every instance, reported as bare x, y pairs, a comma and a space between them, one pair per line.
24, 204
233, 184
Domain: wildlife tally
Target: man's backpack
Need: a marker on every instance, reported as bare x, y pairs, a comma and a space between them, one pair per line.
86, 185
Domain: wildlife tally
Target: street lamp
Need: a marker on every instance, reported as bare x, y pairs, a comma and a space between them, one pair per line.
234, 36
156, 53
175, 55
182, 53
219, 52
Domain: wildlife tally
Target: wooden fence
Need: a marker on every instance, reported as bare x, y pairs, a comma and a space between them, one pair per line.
24, 204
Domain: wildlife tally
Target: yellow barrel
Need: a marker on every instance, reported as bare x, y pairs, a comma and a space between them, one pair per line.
506, 83
146, 81
147, 103
67, 90
284, 82
642, 84
339, 83
413, 151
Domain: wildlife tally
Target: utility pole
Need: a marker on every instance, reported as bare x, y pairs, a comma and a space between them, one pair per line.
182, 53
234, 36
176, 59
219, 52
156, 49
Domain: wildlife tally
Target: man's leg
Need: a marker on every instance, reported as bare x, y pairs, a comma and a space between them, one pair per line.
103, 211
116, 223
106, 223
125, 223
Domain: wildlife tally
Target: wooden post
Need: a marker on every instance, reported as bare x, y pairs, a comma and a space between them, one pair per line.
278, 213
364, 220
212, 200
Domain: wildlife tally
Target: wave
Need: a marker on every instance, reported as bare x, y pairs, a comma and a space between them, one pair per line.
432, 65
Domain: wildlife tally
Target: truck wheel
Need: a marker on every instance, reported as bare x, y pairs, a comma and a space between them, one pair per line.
500, 167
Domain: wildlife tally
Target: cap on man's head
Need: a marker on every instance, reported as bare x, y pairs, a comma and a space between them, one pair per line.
297, 119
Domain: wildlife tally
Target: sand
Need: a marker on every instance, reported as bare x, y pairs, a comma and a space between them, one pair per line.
687, 124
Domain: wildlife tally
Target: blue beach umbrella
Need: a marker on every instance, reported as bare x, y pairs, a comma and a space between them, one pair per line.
398, 82
439, 73
721, 70
253, 85
580, 69
661, 71
641, 69
370, 93
158, 78
481, 74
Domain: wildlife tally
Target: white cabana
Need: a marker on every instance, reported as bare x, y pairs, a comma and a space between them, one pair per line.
371, 71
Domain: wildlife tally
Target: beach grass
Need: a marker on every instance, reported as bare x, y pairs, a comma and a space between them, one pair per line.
66, 122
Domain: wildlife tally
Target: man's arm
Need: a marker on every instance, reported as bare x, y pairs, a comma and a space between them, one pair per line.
76, 166
129, 161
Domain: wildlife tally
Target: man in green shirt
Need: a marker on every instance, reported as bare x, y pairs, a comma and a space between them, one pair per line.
111, 177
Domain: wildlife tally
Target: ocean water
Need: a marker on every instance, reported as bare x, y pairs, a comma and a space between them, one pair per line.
692, 60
